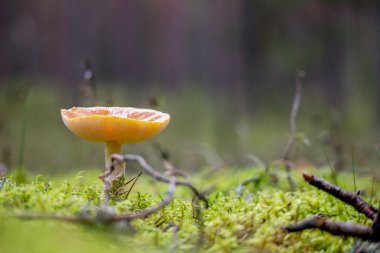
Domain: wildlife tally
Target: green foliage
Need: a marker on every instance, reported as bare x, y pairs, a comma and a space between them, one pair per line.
245, 219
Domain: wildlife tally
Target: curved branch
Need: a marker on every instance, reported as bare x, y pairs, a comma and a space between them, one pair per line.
293, 114
156, 175
150, 210
335, 228
348, 197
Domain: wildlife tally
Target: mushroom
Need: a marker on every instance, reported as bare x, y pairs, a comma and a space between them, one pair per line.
114, 126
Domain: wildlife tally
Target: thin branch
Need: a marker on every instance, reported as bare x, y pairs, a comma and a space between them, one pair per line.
293, 115
363, 232
293, 126
350, 198
376, 223
156, 175
335, 228
150, 210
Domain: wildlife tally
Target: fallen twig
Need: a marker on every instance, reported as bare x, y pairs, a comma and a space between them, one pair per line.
150, 210
336, 228
156, 175
369, 233
350, 198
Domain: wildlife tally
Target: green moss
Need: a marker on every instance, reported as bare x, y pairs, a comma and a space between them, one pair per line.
241, 219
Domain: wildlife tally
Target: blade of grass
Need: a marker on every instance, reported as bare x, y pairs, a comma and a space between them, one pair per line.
21, 174
353, 170
133, 184
353, 165
371, 195
333, 175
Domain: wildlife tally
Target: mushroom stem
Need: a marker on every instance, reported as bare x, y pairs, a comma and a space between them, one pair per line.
118, 169
112, 171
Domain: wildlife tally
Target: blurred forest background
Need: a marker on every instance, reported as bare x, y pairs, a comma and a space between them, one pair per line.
225, 71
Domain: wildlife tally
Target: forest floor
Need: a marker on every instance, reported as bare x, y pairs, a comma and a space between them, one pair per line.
240, 218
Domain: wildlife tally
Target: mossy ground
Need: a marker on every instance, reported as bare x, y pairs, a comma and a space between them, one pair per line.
239, 219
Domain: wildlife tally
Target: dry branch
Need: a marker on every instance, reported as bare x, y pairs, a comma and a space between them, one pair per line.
156, 175
369, 233
293, 115
150, 210
336, 228
376, 223
350, 198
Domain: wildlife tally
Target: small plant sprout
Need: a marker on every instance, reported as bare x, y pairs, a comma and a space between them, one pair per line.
114, 126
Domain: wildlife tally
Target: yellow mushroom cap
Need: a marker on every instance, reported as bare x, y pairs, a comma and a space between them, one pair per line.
114, 124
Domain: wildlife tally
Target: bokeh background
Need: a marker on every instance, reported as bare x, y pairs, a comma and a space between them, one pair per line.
225, 71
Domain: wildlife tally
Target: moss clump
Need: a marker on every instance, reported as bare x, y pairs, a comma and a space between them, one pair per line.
243, 221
